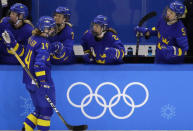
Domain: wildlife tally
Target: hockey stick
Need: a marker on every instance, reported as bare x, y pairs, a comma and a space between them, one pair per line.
141, 22
74, 128
70, 127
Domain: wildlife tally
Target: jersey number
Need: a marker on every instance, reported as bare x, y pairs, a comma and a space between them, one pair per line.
115, 37
43, 46
183, 32
28, 58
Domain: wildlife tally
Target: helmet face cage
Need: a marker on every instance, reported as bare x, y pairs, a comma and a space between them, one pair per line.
178, 8
65, 11
20, 9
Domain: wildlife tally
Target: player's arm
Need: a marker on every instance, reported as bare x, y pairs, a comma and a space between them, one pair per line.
147, 32
85, 43
120, 50
180, 49
182, 40
173, 53
69, 39
181, 46
152, 32
89, 54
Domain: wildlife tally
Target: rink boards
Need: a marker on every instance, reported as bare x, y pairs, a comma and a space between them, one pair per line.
118, 97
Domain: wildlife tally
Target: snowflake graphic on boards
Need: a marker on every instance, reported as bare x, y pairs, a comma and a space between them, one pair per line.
168, 111
27, 106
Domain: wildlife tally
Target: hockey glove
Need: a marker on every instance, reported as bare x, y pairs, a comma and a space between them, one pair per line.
112, 53
171, 51
140, 31
9, 39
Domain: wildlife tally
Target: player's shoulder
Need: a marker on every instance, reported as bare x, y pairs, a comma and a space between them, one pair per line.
111, 33
68, 27
28, 24
112, 36
38, 39
177, 29
5, 20
87, 33
68, 24
26, 30
180, 24
33, 41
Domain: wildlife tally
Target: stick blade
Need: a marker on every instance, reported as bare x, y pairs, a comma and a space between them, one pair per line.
78, 128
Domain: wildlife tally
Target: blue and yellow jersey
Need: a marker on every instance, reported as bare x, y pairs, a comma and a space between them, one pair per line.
172, 42
97, 47
65, 36
37, 60
21, 36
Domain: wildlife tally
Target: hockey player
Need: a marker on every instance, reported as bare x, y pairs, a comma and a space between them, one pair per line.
101, 44
20, 28
37, 59
188, 23
172, 42
62, 42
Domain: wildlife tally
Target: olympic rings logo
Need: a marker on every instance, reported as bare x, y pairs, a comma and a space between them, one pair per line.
104, 103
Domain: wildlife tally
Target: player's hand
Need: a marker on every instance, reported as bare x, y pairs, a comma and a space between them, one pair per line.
9, 38
140, 31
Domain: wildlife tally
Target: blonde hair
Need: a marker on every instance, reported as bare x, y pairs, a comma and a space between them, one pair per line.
28, 22
60, 28
36, 31
112, 30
